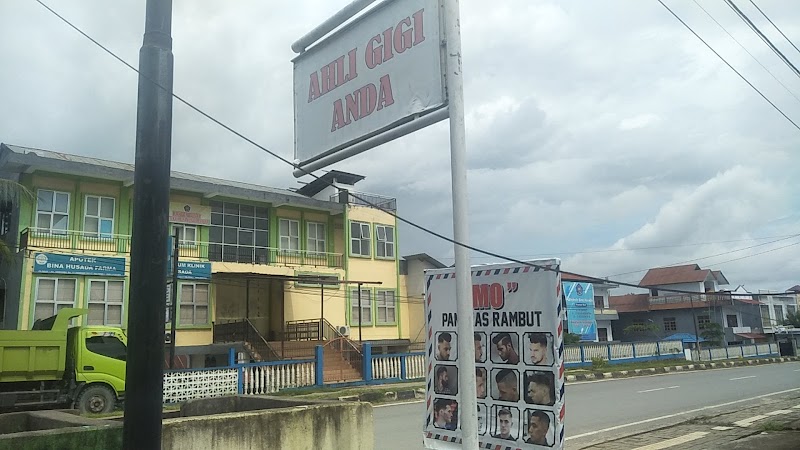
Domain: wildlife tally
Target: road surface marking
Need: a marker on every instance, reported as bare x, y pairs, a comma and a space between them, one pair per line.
669, 416
675, 441
722, 428
780, 411
658, 389
742, 378
796, 407
749, 421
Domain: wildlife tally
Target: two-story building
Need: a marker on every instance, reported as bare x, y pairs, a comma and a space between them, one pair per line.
258, 265
661, 313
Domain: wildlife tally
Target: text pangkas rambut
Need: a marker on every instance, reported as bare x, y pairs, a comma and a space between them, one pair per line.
487, 301
382, 47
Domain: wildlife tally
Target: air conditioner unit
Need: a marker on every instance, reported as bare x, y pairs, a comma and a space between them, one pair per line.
167, 337
344, 330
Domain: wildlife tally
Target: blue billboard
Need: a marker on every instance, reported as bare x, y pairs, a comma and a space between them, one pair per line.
580, 310
106, 266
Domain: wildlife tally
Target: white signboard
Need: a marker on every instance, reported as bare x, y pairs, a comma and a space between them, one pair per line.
519, 362
372, 75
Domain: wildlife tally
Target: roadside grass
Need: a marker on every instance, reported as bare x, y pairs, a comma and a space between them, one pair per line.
631, 366
772, 426
333, 393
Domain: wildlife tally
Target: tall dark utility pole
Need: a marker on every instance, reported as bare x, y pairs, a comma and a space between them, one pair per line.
144, 375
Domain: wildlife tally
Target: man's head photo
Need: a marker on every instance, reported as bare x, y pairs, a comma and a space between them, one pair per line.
506, 385
505, 348
539, 387
539, 348
444, 414
480, 356
446, 343
445, 380
538, 429
506, 422
480, 382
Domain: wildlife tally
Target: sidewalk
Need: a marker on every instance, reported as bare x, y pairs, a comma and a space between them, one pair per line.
771, 423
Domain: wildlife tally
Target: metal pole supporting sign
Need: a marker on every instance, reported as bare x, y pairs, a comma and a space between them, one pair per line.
458, 168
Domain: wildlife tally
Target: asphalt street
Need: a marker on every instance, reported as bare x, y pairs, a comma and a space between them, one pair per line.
601, 410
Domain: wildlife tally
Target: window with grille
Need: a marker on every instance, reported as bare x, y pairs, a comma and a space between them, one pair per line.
765, 318
289, 231
193, 303
238, 233
778, 314
670, 324
360, 240
384, 236
53, 295
98, 217
703, 320
366, 307
733, 320
105, 302
385, 307
52, 211
316, 237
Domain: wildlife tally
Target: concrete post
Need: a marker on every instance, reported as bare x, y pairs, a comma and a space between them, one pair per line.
367, 350
403, 374
608, 348
231, 357
319, 374
583, 356
633, 349
658, 350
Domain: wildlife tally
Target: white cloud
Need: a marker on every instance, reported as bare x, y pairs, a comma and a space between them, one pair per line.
640, 121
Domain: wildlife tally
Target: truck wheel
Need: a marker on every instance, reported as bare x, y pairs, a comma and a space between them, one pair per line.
96, 399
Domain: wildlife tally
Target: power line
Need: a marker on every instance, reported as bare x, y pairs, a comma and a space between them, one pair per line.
776, 27
763, 37
729, 65
746, 50
710, 256
372, 204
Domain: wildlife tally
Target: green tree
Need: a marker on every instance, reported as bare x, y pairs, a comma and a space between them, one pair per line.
792, 319
571, 339
712, 333
641, 328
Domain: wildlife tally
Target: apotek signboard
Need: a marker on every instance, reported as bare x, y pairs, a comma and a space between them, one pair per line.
106, 266
374, 74
519, 364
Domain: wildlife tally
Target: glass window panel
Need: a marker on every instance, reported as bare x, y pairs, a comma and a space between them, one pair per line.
42, 311
96, 314
190, 234
201, 294
107, 208
43, 221
231, 220
106, 226
215, 252
115, 314
356, 250
97, 291
262, 224
187, 293
90, 225
365, 231
229, 253
62, 202
355, 230
389, 234
44, 201
283, 227
60, 222
381, 249
230, 236
201, 315
245, 255
230, 208
216, 219
247, 210
187, 314
294, 228
46, 290
215, 234
262, 238
262, 213
66, 291
92, 205
294, 243
115, 291
390, 315
381, 233
216, 207
245, 237
247, 222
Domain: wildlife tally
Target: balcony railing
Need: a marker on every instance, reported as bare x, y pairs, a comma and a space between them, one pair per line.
31, 238
363, 199
697, 299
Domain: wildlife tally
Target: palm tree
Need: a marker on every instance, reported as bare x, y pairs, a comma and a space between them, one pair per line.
11, 193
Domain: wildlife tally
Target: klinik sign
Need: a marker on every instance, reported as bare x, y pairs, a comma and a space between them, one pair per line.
376, 73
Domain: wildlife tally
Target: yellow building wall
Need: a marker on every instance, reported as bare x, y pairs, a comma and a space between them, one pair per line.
185, 338
412, 309
373, 268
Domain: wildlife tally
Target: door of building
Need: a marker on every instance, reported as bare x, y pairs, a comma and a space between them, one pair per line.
602, 334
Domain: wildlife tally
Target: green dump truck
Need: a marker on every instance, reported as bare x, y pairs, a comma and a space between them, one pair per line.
56, 364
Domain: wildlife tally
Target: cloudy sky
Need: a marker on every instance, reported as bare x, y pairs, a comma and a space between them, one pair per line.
603, 133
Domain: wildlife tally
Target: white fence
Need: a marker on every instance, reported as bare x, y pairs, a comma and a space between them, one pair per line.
401, 366
582, 354
182, 385
263, 378
735, 351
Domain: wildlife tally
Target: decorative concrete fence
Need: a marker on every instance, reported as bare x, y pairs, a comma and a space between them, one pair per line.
182, 385
616, 353
268, 377
400, 366
736, 351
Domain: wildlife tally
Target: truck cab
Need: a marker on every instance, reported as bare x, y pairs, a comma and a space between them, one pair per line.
98, 355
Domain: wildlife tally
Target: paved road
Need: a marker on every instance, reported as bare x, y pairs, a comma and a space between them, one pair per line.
597, 411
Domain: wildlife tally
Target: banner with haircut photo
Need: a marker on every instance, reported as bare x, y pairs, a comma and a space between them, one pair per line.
518, 363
